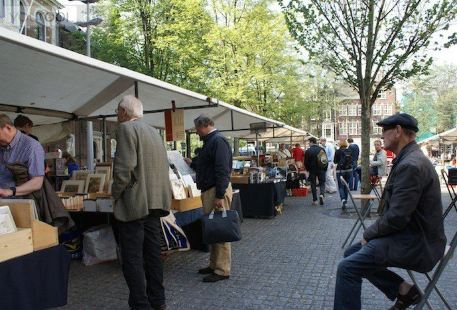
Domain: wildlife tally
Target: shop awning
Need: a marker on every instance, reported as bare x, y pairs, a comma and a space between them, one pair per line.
446, 137
52, 84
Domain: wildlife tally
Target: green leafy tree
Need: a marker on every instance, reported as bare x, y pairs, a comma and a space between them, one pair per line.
432, 99
369, 44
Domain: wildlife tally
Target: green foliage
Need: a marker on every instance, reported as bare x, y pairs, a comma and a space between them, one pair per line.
433, 99
369, 44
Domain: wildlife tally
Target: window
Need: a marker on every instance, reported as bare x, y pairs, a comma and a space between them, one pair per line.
353, 128
377, 109
40, 27
12, 11
352, 110
388, 109
2, 8
359, 109
382, 95
376, 129
343, 109
22, 17
342, 128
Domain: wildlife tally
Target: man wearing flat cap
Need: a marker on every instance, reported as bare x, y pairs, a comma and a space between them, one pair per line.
409, 234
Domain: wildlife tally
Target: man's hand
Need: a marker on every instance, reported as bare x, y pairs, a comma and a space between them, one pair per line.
5, 192
363, 241
188, 160
218, 203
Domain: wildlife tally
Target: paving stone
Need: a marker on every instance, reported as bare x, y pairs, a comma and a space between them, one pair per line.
288, 262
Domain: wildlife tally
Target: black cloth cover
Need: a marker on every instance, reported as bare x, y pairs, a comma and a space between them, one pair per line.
35, 281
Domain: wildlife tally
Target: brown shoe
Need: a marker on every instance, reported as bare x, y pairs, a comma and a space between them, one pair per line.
206, 270
214, 278
159, 307
404, 301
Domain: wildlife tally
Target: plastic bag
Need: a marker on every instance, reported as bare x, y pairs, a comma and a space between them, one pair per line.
99, 245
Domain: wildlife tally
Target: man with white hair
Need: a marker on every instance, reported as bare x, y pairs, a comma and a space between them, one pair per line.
142, 192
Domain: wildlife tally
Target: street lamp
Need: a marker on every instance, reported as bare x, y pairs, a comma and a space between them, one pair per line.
89, 22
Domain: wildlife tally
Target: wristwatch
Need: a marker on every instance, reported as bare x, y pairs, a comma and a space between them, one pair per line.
13, 188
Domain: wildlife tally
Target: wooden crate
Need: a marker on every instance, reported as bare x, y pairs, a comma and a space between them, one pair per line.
240, 179
182, 205
43, 235
16, 244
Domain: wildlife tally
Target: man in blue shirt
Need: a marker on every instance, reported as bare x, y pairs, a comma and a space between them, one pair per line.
16, 147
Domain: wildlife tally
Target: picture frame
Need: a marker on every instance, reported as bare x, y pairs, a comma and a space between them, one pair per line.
81, 174
106, 170
7, 224
94, 183
73, 186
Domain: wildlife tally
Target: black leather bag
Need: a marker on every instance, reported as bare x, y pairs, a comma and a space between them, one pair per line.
221, 226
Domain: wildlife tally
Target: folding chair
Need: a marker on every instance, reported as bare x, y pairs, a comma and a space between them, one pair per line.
451, 191
375, 183
433, 280
360, 217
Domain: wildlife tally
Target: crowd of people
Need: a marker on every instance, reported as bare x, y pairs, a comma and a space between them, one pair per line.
408, 234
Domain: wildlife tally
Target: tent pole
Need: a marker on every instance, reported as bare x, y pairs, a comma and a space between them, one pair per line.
257, 146
188, 149
136, 89
105, 155
90, 146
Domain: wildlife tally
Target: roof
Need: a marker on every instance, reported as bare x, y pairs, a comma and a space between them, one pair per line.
37, 75
448, 136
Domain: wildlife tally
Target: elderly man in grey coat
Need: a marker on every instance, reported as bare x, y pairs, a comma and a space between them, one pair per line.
142, 192
409, 234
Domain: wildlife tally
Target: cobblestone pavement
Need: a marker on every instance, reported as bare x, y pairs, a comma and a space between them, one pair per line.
288, 262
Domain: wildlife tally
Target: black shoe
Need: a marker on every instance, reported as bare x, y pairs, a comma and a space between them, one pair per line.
321, 200
206, 270
404, 301
159, 307
214, 278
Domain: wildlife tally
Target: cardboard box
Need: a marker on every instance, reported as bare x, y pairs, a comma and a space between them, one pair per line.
105, 205
240, 179
43, 235
16, 244
90, 205
182, 205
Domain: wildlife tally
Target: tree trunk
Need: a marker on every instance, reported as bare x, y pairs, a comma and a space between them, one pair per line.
236, 146
365, 147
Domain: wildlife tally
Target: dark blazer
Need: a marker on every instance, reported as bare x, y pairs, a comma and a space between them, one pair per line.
355, 152
141, 180
214, 164
311, 158
411, 227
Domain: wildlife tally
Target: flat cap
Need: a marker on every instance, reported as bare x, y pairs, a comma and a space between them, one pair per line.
403, 119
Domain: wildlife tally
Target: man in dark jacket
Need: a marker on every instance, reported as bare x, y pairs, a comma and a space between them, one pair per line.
409, 234
355, 151
315, 171
213, 169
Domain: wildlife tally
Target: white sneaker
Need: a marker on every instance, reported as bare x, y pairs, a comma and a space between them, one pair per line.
343, 204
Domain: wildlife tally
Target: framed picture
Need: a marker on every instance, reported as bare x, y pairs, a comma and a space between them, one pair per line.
106, 170
81, 174
7, 224
94, 183
73, 186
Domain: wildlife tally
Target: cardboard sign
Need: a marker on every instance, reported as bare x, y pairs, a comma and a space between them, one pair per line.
174, 125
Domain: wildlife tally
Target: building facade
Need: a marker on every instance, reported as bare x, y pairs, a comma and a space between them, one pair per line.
33, 18
346, 117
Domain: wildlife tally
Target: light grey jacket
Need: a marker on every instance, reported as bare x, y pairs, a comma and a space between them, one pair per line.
141, 181
381, 163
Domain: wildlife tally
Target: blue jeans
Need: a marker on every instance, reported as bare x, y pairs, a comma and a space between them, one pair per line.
354, 178
341, 188
358, 263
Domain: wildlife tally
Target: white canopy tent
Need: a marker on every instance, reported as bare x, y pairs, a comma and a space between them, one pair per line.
446, 137
52, 84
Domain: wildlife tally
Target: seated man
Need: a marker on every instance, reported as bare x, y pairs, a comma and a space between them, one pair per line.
16, 147
409, 234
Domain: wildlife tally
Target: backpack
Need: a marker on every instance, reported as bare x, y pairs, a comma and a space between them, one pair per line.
345, 162
322, 160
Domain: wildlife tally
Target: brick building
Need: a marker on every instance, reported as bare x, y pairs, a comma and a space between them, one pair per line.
345, 119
